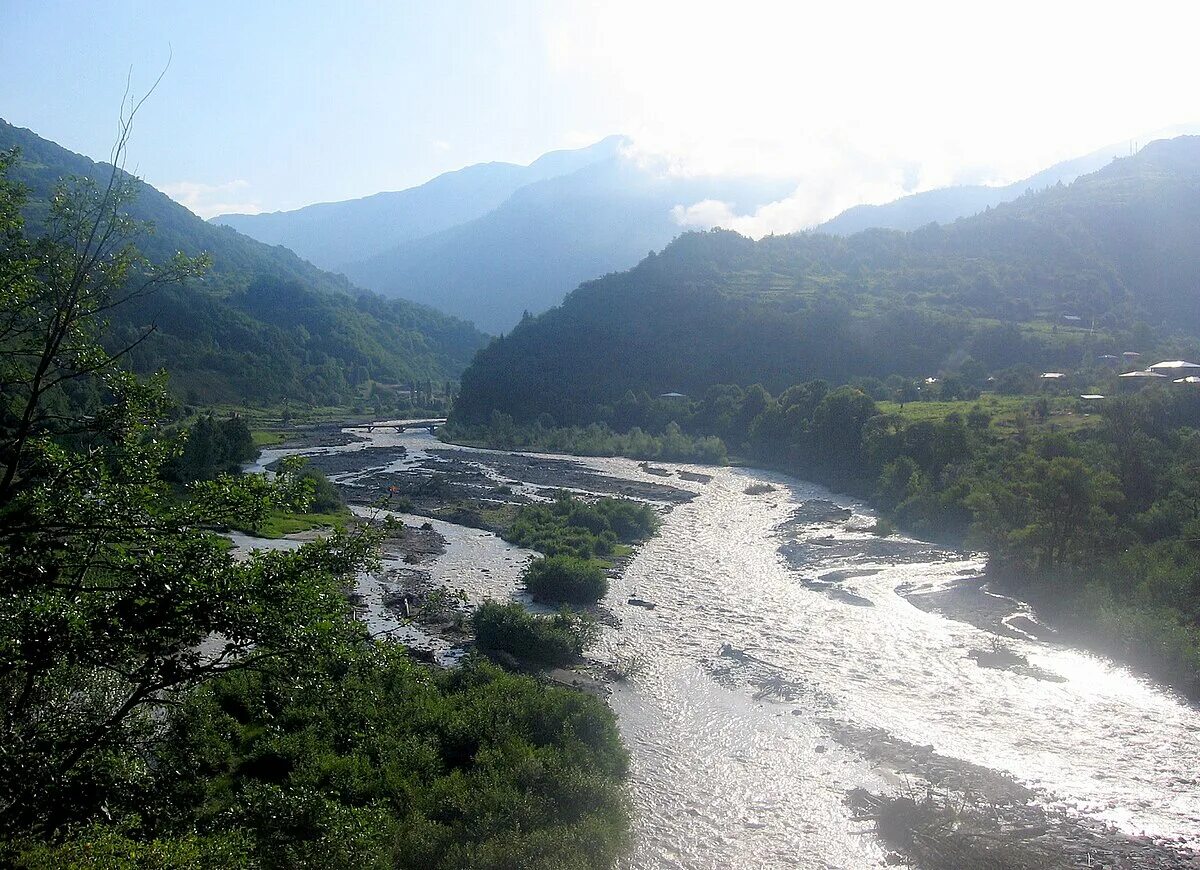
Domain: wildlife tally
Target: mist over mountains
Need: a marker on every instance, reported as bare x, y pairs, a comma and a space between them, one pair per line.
494, 241
336, 235
945, 204
1115, 252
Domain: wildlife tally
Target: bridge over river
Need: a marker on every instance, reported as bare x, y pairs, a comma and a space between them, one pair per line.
430, 426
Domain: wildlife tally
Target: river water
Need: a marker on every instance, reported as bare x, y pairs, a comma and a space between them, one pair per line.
727, 775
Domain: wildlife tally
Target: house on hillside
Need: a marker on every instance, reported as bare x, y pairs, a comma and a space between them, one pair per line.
1137, 380
1178, 367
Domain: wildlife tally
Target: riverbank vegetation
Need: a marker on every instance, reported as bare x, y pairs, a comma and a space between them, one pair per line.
163, 704
595, 528
595, 439
212, 447
358, 757
553, 641
566, 579
1091, 512
578, 539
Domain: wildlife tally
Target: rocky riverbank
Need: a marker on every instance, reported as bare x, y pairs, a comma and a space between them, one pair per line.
950, 814
928, 808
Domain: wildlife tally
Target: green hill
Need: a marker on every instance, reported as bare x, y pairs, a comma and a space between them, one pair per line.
263, 324
549, 236
1045, 280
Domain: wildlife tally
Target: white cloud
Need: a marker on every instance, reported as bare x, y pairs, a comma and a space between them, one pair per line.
209, 200
865, 101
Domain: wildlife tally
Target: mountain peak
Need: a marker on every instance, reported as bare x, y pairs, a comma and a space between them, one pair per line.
335, 234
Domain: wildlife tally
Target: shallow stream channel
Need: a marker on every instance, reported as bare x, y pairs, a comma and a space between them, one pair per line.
788, 670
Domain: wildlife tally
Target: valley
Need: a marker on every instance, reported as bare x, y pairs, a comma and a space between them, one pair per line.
686, 503
790, 676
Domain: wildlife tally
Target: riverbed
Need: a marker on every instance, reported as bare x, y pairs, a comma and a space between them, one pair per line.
781, 631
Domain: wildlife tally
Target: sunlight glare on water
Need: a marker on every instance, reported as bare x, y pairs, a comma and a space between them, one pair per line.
722, 778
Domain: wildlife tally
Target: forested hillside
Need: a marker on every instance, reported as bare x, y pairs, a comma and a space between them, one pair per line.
491, 241
1051, 280
261, 324
547, 237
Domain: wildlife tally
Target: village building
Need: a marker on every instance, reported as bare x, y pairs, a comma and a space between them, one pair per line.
1175, 366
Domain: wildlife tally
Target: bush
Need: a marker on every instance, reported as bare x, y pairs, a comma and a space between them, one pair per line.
365, 759
549, 641
566, 579
586, 530
325, 497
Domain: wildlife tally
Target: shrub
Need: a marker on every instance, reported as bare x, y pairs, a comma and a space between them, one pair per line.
325, 496
549, 641
365, 759
586, 530
566, 579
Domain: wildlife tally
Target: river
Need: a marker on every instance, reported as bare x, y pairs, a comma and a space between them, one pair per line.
768, 635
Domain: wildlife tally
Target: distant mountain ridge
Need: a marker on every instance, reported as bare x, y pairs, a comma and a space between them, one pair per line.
333, 235
262, 324
1117, 251
526, 254
947, 204
492, 241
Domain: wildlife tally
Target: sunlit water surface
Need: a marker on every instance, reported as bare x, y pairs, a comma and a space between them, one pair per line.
721, 779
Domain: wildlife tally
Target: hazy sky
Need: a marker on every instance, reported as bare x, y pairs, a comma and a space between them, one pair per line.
275, 105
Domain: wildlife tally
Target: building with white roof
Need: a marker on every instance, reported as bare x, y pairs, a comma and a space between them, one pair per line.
1174, 365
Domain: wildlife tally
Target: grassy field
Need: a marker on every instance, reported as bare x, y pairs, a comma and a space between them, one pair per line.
1008, 413
267, 437
279, 523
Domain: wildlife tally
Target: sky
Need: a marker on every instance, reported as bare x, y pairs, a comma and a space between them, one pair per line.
269, 106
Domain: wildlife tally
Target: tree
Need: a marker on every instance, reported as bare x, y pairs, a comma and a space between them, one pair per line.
566, 579
115, 596
1065, 496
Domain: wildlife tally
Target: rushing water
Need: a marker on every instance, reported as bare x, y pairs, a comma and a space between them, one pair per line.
724, 778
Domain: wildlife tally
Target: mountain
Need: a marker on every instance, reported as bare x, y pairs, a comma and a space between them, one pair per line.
262, 324
334, 234
947, 204
1045, 280
492, 241
547, 238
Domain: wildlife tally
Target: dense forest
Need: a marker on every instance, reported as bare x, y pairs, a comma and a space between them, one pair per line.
260, 324
1055, 280
165, 704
